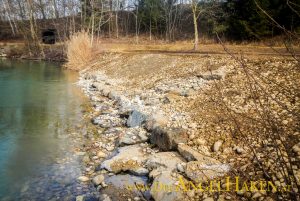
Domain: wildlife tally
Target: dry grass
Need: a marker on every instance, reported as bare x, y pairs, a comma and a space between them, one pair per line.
79, 51
186, 47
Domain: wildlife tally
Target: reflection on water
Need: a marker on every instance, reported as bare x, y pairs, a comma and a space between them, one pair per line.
39, 106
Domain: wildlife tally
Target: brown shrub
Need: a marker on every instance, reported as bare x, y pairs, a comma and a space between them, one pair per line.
79, 51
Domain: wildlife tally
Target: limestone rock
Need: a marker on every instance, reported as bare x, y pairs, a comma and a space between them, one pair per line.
201, 172
108, 121
128, 158
180, 167
140, 171
156, 120
191, 155
133, 136
209, 77
83, 179
166, 194
135, 119
168, 139
164, 161
127, 184
217, 145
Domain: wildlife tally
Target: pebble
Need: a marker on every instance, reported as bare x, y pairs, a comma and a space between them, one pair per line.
80, 198
256, 195
97, 180
217, 145
240, 192
192, 136
201, 141
83, 178
238, 149
180, 167
111, 148
101, 154
103, 184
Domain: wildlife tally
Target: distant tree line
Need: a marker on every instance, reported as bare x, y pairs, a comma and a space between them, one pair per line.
158, 19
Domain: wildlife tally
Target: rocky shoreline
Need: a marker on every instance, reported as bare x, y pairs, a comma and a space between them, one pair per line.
139, 146
160, 132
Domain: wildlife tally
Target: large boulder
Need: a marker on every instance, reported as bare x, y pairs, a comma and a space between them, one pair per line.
125, 187
164, 188
158, 119
164, 161
129, 158
135, 119
168, 139
126, 181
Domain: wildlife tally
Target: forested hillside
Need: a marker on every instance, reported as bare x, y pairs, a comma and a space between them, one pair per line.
157, 19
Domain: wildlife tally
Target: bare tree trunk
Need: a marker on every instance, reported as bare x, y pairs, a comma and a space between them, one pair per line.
117, 20
93, 22
55, 9
42, 9
37, 48
195, 21
136, 25
21, 9
100, 21
196, 38
150, 29
110, 19
136, 30
6, 9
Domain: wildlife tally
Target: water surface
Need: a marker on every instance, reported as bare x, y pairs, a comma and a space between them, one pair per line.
39, 108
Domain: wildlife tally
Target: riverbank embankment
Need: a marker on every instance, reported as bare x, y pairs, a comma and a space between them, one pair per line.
159, 122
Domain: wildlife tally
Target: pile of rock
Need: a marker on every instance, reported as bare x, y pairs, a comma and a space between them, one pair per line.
131, 125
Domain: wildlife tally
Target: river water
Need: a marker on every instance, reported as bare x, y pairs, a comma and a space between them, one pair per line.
40, 113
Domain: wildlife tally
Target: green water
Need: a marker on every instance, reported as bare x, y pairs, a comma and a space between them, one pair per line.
39, 108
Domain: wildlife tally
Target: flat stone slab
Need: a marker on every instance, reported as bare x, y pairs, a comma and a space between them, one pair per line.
122, 187
164, 161
192, 155
164, 188
126, 181
129, 158
201, 172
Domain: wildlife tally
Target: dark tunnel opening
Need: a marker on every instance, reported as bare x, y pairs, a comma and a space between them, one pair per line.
49, 36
